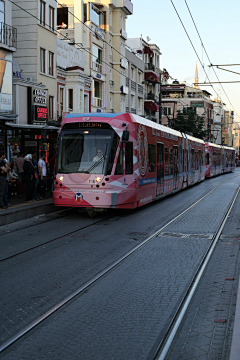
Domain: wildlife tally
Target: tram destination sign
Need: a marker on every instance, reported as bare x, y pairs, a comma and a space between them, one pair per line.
87, 125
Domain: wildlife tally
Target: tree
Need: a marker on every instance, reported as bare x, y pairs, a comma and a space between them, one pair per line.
188, 121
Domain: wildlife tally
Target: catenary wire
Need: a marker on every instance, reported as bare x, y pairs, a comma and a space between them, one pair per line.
193, 46
208, 56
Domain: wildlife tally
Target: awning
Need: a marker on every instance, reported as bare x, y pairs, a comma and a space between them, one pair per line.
31, 127
152, 77
151, 105
148, 50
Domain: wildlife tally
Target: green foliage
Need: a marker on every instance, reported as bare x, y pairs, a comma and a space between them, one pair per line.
188, 121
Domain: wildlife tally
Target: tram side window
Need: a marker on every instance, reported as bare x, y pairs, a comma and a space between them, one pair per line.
170, 161
196, 161
119, 166
151, 158
200, 157
166, 161
129, 158
112, 153
207, 159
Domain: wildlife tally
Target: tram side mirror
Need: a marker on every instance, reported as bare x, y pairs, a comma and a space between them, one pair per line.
125, 136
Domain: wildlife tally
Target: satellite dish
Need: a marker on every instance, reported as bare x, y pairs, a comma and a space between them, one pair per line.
148, 38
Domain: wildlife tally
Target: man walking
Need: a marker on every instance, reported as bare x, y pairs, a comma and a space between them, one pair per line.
3, 177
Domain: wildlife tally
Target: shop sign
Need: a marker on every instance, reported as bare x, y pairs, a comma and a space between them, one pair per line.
123, 34
6, 81
124, 63
41, 113
98, 76
99, 110
99, 33
39, 96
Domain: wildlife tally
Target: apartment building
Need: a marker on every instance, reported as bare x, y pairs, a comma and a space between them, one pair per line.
150, 54
8, 45
177, 95
99, 28
36, 53
228, 128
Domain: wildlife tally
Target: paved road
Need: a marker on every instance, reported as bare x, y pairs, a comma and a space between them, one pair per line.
123, 315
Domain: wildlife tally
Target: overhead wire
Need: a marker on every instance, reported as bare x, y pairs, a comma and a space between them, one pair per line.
208, 56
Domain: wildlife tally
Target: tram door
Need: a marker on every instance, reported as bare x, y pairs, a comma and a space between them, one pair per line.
176, 170
160, 169
185, 166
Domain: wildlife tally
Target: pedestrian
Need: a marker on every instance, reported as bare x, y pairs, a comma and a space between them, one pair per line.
35, 164
29, 177
5, 195
19, 163
42, 172
3, 176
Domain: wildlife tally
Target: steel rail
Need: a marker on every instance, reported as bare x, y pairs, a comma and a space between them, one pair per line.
81, 289
166, 343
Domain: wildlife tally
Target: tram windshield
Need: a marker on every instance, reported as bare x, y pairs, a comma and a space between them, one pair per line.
87, 151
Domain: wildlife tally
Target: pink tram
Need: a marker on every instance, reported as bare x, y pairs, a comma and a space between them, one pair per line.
218, 159
122, 161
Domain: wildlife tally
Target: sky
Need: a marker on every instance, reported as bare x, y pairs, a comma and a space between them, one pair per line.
217, 22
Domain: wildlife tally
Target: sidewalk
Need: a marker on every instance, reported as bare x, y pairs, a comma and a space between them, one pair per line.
20, 210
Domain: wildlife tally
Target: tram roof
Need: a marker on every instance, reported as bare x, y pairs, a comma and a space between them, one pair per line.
138, 119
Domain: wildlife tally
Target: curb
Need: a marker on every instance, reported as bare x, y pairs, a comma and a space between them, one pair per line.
22, 212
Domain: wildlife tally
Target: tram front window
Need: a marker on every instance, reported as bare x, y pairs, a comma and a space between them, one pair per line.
87, 151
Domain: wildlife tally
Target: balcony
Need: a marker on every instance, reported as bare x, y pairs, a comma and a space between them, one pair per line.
97, 102
126, 5
97, 67
127, 109
149, 97
127, 82
133, 110
149, 66
8, 35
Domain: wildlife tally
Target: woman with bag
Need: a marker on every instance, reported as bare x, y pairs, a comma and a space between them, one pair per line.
35, 164
29, 176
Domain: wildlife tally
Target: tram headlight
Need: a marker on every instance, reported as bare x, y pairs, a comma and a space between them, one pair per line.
61, 178
98, 179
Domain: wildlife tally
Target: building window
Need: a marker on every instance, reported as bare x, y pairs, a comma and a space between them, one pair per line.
132, 102
51, 107
166, 110
97, 89
42, 12
51, 63
42, 61
65, 18
61, 102
97, 54
51, 18
2, 12
70, 99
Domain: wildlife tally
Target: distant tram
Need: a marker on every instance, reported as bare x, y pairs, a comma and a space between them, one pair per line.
125, 161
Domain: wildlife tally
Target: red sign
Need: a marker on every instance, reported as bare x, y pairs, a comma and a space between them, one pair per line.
41, 113
226, 130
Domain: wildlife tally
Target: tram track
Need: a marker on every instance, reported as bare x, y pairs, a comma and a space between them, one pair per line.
104, 272
165, 344
87, 226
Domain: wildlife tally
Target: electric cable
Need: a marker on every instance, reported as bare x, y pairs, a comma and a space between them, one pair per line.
208, 56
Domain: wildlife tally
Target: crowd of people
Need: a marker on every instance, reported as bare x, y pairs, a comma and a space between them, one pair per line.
32, 178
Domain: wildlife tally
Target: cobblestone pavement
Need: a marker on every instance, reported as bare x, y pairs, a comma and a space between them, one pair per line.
206, 332
121, 316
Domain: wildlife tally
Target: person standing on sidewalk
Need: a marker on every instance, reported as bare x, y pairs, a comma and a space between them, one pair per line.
19, 163
35, 164
3, 176
5, 195
29, 177
43, 171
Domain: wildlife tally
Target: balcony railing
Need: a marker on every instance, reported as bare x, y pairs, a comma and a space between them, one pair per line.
8, 35
127, 109
127, 82
140, 89
97, 67
97, 102
133, 85
149, 97
133, 111
149, 66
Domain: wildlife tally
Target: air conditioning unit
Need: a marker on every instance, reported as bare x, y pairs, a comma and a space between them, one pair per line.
29, 79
